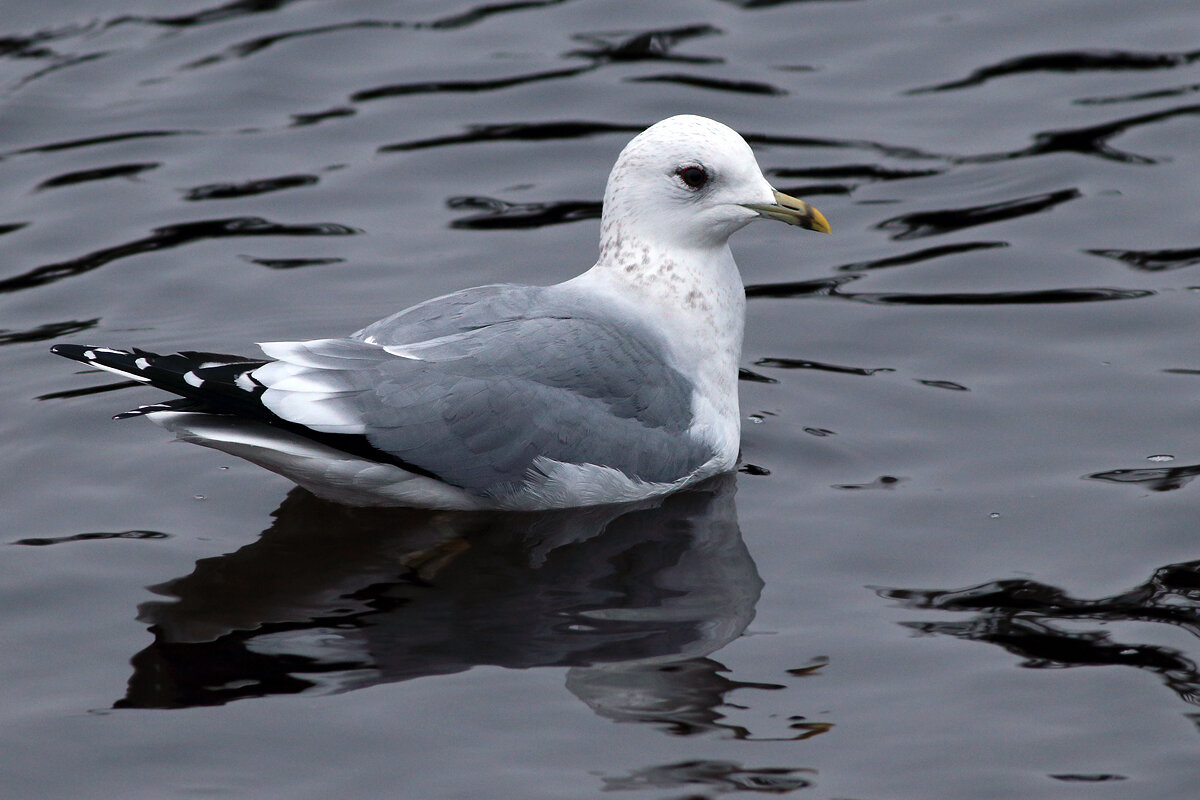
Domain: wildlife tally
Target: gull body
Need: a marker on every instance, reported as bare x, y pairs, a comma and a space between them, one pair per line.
616, 385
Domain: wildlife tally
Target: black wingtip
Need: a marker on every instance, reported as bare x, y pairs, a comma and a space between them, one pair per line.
75, 352
178, 404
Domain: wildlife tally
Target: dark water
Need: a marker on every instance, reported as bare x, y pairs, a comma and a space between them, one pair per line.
963, 558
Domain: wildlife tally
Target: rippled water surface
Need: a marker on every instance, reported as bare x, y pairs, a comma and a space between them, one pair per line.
961, 558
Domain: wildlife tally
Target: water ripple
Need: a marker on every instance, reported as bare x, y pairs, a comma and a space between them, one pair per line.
91, 537
292, 263
515, 132
1092, 140
316, 117
718, 84
46, 331
92, 141
1154, 260
1156, 479
866, 172
798, 363
934, 223
754, 377
226, 191
831, 287
919, 256
716, 776
166, 237
499, 214
480, 13
1032, 297
258, 44
616, 47
1154, 94
1092, 777
221, 13
97, 174
752, 5
938, 384
1021, 616
1069, 61
652, 45
242, 8
900, 152
449, 87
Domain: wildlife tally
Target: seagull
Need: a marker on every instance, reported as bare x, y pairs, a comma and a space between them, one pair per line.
617, 385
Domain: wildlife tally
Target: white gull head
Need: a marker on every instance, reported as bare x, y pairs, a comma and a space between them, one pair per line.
689, 183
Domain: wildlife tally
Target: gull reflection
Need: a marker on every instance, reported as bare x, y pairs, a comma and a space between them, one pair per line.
631, 598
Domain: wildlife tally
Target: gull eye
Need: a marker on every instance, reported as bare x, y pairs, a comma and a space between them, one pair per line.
694, 177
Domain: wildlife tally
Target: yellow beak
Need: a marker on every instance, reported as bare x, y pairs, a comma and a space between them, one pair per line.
792, 211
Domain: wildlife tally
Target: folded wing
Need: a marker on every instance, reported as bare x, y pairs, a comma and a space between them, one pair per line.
477, 408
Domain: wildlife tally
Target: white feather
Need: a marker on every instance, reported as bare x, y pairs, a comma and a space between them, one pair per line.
324, 471
323, 413
120, 372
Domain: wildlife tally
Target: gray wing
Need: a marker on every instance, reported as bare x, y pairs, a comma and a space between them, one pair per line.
479, 402
459, 312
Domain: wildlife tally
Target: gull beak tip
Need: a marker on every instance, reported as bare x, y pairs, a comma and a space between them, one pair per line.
802, 214
792, 211
817, 222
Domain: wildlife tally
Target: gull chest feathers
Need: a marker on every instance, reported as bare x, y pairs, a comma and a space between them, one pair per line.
617, 385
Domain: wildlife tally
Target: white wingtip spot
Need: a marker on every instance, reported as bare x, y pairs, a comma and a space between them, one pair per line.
244, 382
121, 372
192, 379
142, 363
90, 355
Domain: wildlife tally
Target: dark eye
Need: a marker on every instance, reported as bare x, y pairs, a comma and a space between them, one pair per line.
694, 177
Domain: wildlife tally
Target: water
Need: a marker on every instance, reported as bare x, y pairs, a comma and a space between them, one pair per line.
954, 564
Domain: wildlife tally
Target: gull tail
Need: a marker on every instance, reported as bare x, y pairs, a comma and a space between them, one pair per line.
219, 407
213, 382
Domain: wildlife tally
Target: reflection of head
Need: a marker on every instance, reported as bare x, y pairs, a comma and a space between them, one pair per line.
681, 696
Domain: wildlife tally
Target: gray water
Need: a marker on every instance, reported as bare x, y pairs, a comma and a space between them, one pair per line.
960, 559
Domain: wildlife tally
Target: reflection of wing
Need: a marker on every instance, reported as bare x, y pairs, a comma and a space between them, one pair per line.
399, 595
